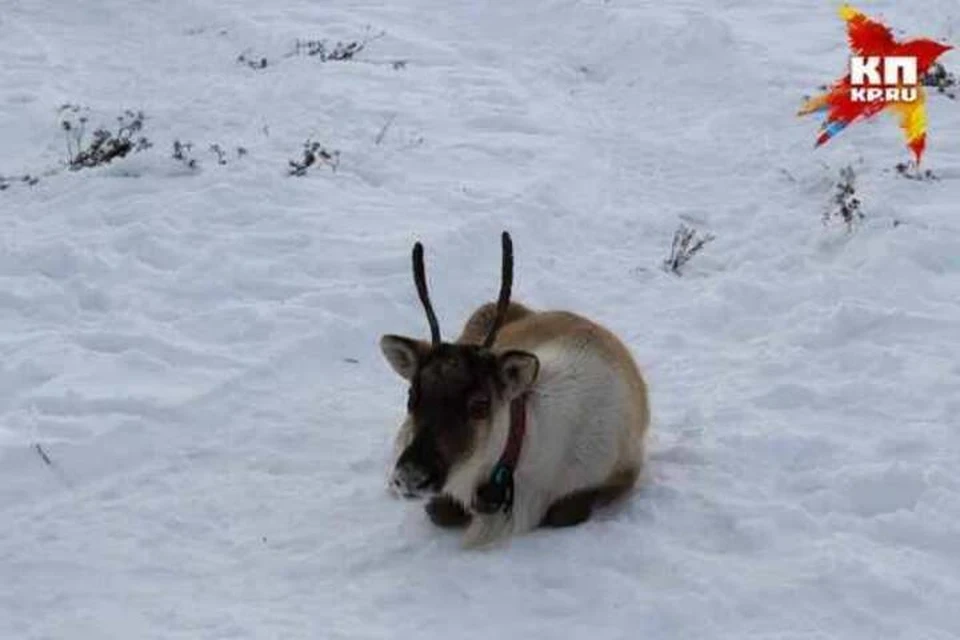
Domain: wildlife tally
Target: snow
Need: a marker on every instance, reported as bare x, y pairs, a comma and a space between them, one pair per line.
196, 350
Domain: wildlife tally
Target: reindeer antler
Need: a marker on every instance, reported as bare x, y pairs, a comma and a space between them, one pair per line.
420, 279
506, 283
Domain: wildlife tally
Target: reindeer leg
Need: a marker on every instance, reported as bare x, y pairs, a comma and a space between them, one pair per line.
445, 511
570, 510
576, 507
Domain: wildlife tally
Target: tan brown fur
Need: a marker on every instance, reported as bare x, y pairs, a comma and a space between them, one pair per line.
478, 325
526, 329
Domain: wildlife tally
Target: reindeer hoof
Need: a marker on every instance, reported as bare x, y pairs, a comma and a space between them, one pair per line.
446, 512
488, 499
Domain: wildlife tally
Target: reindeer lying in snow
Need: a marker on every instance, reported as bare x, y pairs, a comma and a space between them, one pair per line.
528, 419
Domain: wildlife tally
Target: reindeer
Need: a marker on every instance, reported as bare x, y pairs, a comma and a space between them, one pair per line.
531, 418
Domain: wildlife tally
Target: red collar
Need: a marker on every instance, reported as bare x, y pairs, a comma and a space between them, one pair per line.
518, 429
497, 493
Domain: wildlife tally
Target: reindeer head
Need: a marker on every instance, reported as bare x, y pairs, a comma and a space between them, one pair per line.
456, 390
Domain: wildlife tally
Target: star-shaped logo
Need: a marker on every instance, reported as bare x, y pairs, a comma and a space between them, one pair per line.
864, 91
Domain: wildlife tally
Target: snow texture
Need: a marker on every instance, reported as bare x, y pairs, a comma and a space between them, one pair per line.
195, 350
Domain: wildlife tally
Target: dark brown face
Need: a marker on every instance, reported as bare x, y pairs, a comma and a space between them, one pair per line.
449, 402
453, 394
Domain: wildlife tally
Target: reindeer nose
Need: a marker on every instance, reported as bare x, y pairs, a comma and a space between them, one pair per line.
409, 480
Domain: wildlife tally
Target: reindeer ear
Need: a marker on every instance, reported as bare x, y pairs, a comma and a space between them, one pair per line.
518, 371
403, 354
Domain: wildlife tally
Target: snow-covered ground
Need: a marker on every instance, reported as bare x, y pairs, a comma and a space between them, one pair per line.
196, 351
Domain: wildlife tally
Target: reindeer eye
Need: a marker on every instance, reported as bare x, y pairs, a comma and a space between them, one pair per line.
479, 408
